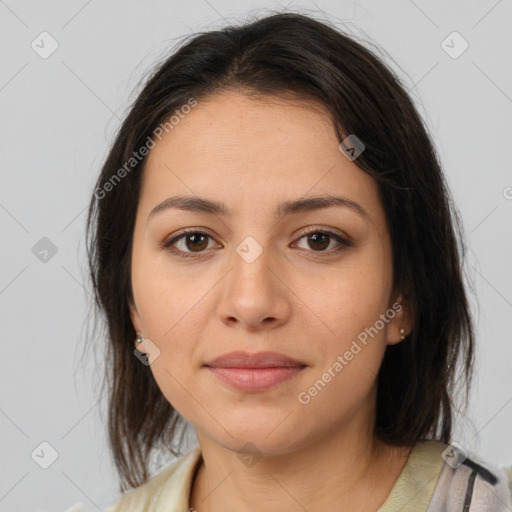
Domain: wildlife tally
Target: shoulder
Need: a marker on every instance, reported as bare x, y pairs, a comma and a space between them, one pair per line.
169, 488
446, 478
508, 471
468, 482
415, 485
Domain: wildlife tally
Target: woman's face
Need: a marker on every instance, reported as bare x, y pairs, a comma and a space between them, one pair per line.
259, 278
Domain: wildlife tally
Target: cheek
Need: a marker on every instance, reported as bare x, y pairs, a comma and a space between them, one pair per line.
350, 351
171, 313
350, 298
174, 368
349, 303
165, 297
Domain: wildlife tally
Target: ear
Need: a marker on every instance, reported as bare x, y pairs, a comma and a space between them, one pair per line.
402, 319
134, 315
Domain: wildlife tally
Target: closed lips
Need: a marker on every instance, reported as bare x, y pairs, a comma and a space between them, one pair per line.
254, 373
257, 360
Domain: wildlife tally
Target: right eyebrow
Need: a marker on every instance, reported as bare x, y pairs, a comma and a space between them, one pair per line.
211, 207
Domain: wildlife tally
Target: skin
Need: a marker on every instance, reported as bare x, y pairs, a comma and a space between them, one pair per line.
295, 298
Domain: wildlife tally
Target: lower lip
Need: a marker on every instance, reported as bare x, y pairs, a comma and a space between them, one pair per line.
255, 379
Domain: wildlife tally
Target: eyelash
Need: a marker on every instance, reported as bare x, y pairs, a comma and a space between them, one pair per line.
167, 245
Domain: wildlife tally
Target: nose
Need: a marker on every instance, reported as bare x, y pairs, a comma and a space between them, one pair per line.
254, 295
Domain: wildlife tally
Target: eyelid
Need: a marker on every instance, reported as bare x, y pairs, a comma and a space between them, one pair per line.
169, 242
322, 229
343, 240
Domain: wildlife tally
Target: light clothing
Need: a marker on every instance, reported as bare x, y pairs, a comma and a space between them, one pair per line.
426, 484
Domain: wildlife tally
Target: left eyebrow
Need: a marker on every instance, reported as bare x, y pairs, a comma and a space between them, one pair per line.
210, 207
318, 203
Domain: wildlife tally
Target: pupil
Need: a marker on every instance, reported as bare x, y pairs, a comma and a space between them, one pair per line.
320, 239
314, 238
195, 238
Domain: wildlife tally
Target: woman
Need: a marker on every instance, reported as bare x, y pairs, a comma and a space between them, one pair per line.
277, 257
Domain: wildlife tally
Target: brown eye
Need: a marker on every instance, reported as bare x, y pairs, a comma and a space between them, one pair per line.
188, 243
320, 240
192, 243
196, 241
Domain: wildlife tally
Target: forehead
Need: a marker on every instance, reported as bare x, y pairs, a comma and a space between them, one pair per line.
258, 150
235, 124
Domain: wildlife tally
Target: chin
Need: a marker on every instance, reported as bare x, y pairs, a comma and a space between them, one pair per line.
258, 441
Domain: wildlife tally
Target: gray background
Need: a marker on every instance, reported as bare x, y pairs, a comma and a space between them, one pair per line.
59, 115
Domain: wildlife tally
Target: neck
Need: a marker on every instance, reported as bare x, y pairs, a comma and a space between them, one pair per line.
349, 468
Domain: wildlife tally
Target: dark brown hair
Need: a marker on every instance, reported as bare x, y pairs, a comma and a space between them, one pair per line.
277, 55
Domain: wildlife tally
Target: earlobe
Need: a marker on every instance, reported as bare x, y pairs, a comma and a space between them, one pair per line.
134, 315
401, 324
